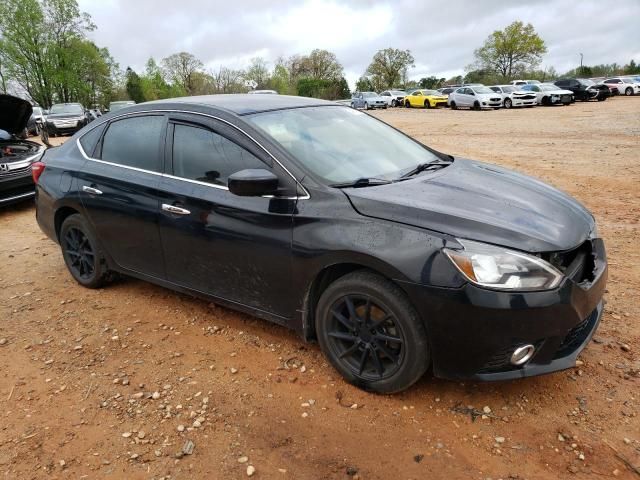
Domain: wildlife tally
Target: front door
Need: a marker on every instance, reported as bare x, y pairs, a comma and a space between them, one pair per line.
118, 188
235, 248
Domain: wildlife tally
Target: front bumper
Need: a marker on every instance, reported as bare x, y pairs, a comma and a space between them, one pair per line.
473, 331
62, 128
16, 186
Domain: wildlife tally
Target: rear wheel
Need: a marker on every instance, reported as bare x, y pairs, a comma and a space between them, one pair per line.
81, 253
371, 334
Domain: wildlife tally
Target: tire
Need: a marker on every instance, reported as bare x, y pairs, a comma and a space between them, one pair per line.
407, 104
453, 106
476, 106
366, 106
81, 252
385, 107
371, 334
394, 103
628, 92
508, 103
545, 101
427, 105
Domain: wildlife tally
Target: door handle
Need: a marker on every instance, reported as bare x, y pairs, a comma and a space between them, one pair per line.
174, 209
91, 190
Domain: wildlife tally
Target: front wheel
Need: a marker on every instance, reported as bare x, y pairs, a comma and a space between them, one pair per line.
371, 334
407, 104
81, 253
628, 92
394, 103
366, 106
427, 104
508, 103
453, 106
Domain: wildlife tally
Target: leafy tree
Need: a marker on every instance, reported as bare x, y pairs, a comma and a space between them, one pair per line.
431, 82
364, 84
258, 72
227, 80
322, 65
280, 79
134, 86
343, 89
507, 52
323, 88
180, 68
389, 67
631, 68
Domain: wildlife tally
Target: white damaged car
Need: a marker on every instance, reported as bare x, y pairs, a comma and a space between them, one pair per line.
513, 97
549, 94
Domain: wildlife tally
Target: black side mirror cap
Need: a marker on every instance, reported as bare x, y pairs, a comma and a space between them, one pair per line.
253, 182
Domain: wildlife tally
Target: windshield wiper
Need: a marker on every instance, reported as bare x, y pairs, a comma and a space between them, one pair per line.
362, 182
422, 167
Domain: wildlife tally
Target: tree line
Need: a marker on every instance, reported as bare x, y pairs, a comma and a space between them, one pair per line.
45, 53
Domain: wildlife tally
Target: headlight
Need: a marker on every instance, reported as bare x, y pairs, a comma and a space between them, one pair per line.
503, 269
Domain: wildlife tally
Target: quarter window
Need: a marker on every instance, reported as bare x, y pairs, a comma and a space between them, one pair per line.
134, 142
90, 139
200, 154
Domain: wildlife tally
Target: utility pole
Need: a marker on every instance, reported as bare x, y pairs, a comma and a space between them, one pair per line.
581, 70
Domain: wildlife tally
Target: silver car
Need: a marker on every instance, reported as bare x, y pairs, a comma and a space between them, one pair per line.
368, 100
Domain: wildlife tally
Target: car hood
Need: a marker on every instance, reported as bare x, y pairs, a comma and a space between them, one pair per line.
483, 202
14, 114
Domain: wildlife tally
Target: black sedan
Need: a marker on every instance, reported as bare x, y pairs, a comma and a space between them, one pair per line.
66, 119
16, 154
584, 89
394, 256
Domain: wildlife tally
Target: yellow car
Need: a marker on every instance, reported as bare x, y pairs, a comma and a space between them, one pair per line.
425, 99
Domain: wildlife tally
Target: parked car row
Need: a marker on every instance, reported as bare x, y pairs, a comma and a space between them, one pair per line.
519, 93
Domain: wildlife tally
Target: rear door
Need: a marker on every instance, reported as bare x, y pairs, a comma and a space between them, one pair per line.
118, 187
235, 248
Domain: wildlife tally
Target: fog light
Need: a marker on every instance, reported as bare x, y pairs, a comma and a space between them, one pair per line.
522, 355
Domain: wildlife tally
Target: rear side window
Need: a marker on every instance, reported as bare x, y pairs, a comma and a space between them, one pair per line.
134, 142
90, 139
200, 154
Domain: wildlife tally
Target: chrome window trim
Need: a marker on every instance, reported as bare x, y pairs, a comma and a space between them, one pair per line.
306, 195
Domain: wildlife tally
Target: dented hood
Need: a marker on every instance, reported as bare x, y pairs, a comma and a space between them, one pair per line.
482, 202
14, 114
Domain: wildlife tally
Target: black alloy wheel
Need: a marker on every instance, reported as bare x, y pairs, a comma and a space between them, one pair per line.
82, 256
407, 103
427, 104
453, 106
371, 333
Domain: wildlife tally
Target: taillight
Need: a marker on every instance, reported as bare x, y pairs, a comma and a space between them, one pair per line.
36, 170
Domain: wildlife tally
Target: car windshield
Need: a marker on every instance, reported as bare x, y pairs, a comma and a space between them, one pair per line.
483, 90
548, 88
509, 89
37, 111
342, 145
67, 108
430, 92
397, 92
586, 81
369, 94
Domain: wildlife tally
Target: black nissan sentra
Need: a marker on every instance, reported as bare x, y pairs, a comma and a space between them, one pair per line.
393, 256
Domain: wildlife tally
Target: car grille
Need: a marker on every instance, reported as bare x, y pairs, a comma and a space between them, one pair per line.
565, 98
527, 97
18, 172
577, 335
578, 264
495, 99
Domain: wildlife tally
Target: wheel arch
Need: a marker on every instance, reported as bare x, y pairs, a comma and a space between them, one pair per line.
325, 277
60, 216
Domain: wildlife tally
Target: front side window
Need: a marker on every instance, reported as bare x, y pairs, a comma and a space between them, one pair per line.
134, 142
339, 144
200, 154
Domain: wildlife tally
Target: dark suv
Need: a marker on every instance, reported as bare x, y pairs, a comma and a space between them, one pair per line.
585, 89
66, 118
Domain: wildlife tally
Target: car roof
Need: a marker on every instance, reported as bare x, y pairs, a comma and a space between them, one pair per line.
243, 104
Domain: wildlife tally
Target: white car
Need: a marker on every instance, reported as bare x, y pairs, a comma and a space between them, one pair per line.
262, 92
512, 97
623, 86
549, 94
477, 98
393, 97
518, 83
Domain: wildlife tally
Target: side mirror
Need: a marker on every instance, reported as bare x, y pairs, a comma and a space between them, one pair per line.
253, 182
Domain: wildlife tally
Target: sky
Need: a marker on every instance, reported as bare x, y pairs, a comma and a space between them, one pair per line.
441, 35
